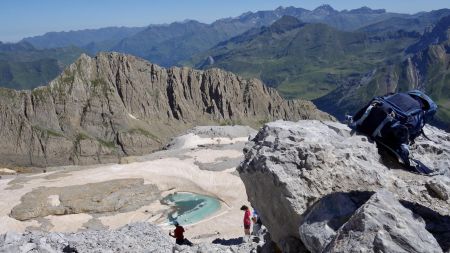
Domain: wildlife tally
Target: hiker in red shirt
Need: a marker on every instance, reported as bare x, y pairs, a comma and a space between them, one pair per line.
178, 234
247, 221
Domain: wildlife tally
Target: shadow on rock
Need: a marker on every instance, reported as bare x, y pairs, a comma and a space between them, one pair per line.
327, 215
388, 159
229, 242
437, 224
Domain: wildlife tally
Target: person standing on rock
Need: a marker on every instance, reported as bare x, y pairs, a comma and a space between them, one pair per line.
247, 221
178, 234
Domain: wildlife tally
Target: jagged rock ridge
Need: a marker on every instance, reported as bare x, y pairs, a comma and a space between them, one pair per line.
100, 109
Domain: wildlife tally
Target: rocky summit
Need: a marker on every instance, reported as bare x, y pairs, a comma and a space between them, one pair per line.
321, 188
101, 109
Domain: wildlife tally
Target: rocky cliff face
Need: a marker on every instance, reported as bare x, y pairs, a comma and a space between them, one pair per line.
114, 105
320, 188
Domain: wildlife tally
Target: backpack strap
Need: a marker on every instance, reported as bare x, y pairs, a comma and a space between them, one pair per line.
354, 124
390, 117
410, 163
424, 135
423, 169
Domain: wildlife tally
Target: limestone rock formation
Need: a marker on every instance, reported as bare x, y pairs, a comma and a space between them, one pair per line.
308, 179
100, 109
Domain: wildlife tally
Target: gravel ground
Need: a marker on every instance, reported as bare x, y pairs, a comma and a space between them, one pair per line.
137, 237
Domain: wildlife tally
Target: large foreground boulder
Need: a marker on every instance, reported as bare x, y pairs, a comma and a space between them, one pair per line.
308, 179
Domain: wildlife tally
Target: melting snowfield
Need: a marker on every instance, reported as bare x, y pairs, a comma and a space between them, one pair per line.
73, 198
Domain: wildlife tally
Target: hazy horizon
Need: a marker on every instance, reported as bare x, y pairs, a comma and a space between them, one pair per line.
40, 17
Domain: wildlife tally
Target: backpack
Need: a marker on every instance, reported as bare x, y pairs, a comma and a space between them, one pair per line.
394, 121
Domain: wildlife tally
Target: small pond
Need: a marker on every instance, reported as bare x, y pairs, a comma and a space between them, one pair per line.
190, 208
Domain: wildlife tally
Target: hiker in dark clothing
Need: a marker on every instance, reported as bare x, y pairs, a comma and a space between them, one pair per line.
178, 234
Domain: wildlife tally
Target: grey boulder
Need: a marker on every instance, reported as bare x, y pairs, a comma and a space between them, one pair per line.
382, 224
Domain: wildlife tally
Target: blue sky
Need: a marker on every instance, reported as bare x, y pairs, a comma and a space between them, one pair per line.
21, 18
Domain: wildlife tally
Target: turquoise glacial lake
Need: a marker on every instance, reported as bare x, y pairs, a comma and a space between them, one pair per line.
190, 208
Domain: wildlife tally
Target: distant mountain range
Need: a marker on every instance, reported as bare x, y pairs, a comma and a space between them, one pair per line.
304, 60
172, 44
22, 66
334, 57
417, 22
166, 45
106, 37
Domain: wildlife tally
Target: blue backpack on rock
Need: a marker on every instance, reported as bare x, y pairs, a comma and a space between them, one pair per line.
394, 121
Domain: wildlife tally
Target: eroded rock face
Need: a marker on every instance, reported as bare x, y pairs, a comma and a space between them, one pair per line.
100, 109
308, 178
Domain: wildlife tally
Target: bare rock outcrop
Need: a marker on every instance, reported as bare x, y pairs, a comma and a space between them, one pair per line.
307, 180
382, 224
100, 109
